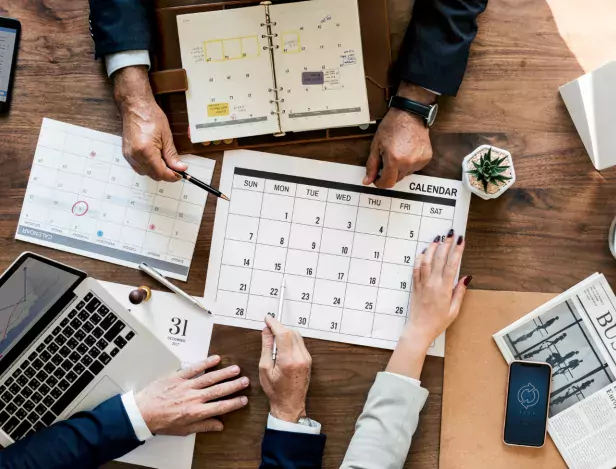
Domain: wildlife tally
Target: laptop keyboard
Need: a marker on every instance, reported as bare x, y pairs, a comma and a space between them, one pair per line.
65, 361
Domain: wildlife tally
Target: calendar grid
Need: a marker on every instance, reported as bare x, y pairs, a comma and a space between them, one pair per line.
84, 197
347, 250
276, 210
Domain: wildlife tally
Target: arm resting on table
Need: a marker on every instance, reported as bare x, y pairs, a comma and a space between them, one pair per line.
84, 441
386, 426
436, 46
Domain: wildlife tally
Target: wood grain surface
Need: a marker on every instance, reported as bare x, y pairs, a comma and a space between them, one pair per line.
545, 234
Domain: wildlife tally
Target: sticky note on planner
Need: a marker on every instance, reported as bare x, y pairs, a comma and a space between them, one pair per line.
312, 78
218, 110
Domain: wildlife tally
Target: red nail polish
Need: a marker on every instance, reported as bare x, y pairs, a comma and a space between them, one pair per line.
437, 239
467, 280
460, 239
450, 234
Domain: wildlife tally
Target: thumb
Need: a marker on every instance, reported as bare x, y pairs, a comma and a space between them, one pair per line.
373, 164
267, 349
170, 154
458, 295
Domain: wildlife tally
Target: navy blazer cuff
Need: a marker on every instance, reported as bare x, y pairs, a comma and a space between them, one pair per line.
288, 450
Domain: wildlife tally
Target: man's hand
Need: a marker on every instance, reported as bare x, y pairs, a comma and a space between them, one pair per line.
401, 144
434, 303
285, 381
147, 143
181, 403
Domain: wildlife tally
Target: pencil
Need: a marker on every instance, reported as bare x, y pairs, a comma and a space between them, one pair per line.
280, 302
203, 185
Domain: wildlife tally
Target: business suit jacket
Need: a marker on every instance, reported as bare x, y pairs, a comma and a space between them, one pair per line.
89, 439
386, 426
434, 53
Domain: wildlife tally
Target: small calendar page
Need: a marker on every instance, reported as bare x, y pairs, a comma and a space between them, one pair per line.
345, 251
84, 198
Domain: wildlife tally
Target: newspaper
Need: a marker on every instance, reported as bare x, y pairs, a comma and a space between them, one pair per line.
576, 334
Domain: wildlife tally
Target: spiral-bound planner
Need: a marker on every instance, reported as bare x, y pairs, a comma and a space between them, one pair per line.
270, 69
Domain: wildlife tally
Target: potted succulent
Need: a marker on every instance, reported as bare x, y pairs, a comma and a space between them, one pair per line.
488, 171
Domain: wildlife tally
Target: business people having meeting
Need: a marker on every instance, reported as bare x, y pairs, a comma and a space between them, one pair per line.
432, 61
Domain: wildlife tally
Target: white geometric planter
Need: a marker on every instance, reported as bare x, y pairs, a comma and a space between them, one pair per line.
496, 152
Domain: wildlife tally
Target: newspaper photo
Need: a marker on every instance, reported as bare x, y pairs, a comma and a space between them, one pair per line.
576, 334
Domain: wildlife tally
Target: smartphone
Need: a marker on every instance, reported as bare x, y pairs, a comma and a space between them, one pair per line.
527, 405
10, 32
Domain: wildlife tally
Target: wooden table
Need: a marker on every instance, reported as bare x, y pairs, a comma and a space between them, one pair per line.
545, 234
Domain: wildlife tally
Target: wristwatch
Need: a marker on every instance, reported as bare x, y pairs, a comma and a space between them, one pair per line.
427, 112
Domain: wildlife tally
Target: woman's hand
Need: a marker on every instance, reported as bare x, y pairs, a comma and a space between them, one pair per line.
435, 304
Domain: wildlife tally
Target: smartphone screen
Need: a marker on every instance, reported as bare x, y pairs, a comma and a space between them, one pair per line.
527, 403
9, 35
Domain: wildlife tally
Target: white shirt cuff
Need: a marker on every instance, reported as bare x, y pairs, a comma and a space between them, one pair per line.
127, 58
276, 424
142, 431
414, 381
432, 91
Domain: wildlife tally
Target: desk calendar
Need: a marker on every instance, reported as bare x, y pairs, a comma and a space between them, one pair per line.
269, 69
83, 197
346, 250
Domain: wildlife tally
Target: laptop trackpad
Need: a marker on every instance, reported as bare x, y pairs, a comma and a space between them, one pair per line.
105, 389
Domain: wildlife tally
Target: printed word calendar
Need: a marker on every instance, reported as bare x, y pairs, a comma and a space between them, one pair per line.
268, 69
346, 251
83, 197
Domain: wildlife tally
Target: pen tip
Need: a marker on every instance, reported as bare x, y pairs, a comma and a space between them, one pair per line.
223, 196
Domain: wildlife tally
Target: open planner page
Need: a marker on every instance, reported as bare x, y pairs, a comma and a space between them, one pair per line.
345, 251
319, 65
229, 74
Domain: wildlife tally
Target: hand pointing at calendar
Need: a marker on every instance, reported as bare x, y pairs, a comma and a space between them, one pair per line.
147, 143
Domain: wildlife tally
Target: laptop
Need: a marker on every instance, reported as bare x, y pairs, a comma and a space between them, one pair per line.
66, 345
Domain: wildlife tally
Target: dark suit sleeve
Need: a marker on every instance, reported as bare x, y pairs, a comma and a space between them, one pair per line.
84, 441
119, 25
287, 450
436, 46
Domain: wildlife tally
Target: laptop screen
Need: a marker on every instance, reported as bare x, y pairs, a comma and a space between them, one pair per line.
26, 295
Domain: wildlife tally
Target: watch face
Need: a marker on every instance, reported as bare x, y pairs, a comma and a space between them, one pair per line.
432, 116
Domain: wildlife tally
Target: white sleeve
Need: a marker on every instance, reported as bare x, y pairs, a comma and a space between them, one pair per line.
414, 381
142, 431
276, 424
127, 58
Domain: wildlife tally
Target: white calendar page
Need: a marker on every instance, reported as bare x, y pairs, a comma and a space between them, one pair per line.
346, 251
83, 197
229, 74
319, 65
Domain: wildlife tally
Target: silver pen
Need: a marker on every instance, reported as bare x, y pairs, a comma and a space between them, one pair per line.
158, 276
279, 317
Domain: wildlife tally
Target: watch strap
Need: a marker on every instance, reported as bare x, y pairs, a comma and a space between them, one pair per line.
411, 106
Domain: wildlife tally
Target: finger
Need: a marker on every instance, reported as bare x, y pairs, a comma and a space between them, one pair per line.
198, 368
214, 409
155, 166
267, 349
224, 389
458, 296
388, 176
428, 256
204, 426
283, 336
214, 377
442, 254
373, 164
455, 259
417, 269
170, 154
404, 170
